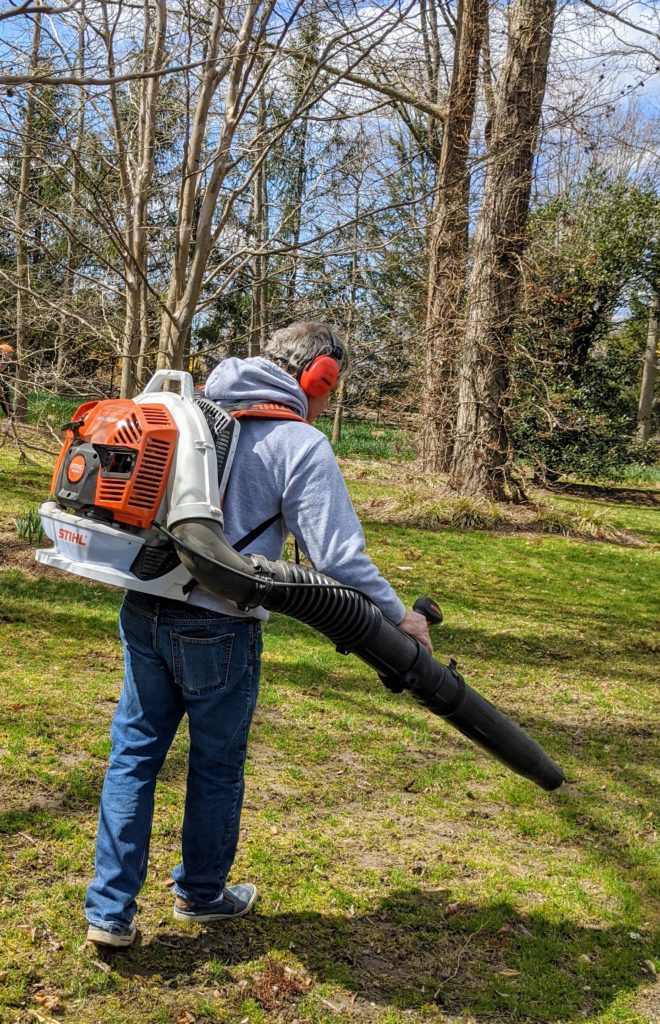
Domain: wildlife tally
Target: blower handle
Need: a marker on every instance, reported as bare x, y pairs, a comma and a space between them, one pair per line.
427, 607
161, 377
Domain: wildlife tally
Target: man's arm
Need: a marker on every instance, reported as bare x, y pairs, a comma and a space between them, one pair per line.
317, 509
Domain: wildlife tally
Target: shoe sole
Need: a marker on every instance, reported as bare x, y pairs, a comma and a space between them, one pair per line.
112, 939
182, 916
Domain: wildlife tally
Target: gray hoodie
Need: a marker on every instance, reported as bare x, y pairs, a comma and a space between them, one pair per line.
289, 467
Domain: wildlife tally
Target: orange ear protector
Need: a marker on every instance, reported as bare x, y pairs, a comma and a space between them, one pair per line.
322, 374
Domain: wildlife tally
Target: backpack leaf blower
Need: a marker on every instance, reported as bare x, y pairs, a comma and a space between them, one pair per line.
137, 495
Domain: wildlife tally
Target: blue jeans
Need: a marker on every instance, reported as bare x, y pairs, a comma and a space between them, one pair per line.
178, 660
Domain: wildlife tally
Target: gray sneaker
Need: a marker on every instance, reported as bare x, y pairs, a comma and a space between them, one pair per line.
236, 901
117, 940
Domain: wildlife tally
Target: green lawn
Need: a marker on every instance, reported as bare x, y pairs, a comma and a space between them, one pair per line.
404, 876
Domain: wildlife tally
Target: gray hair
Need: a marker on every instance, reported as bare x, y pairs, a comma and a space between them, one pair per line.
294, 347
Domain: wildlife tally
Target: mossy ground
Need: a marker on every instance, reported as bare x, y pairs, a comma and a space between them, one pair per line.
404, 876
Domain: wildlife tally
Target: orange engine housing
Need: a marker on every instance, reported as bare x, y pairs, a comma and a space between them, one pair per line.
117, 457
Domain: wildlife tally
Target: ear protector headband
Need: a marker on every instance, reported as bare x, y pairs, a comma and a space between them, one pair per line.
322, 374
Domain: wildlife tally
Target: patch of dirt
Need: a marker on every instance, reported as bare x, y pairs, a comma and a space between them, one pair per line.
70, 760
277, 984
18, 554
38, 799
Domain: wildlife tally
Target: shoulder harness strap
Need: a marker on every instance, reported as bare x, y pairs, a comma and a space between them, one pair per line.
264, 411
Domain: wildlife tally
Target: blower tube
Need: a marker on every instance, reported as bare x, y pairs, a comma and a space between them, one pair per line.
355, 625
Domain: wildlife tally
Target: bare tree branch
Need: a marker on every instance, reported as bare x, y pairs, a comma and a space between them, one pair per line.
134, 76
620, 18
29, 8
385, 88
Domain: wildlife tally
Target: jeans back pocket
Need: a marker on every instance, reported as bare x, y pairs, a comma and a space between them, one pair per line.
201, 660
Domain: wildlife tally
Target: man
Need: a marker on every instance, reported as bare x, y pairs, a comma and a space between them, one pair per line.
6, 364
202, 658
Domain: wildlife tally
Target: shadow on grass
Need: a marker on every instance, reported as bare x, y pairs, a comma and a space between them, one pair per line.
610, 638
413, 951
612, 495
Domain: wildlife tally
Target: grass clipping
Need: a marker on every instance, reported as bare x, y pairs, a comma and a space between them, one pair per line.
428, 511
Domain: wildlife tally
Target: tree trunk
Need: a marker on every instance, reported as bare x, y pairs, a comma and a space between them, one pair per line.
350, 319
338, 418
21, 227
145, 338
448, 244
136, 196
72, 257
296, 204
645, 410
482, 451
259, 296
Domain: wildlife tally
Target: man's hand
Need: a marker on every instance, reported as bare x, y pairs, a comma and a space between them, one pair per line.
415, 625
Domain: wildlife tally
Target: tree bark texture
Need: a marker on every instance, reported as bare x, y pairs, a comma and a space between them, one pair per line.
259, 296
294, 218
448, 244
482, 451
647, 392
340, 397
72, 253
23, 298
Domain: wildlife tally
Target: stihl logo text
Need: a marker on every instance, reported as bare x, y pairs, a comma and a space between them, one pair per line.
73, 538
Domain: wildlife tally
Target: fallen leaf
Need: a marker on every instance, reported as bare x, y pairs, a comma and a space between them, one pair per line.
584, 959
508, 972
648, 964
452, 908
3, 975
185, 1018
49, 1002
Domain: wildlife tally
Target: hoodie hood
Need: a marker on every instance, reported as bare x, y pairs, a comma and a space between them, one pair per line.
255, 380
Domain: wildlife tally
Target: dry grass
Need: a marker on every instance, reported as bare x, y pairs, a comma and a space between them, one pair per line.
429, 509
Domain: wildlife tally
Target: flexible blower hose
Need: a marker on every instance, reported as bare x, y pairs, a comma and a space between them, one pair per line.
355, 625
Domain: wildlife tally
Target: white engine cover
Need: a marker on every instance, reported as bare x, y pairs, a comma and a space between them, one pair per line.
98, 551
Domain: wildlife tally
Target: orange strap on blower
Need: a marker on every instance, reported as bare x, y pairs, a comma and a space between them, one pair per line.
264, 411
